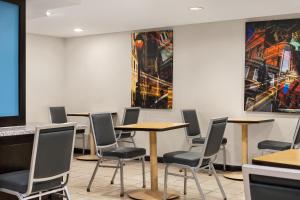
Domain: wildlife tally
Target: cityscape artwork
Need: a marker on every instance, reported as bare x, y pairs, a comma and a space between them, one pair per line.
152, 69
272, 68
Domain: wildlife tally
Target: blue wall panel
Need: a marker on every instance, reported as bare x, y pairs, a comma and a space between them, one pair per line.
9, 59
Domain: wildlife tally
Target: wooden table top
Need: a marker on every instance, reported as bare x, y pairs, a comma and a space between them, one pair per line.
151, 126
285, 159
84, 114
248, 120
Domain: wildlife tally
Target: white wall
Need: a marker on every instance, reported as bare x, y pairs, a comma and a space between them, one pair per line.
44, 76
208, 76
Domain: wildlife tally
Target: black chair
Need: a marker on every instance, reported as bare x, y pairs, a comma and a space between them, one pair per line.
108, 149
194, 161
58, 115
262, 183
50, 165
193, 133
131, 116
273, 145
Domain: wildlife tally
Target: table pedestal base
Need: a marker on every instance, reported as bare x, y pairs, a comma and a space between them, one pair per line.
237, 176
151, 195
88, 158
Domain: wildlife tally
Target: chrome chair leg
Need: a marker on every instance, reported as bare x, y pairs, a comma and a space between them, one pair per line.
166, 183
93, 176
144, 176
121, 178
218, 181
198, 184
133, 142
209, 170
83, 143
185, 182
224, 158
115, 173
67, 194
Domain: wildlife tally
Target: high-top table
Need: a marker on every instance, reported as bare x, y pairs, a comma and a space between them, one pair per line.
244, 122
284, 159
92, 156
15, 153
152, 128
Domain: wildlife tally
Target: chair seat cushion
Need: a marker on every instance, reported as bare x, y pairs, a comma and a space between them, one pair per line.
188, 158
18, 181
125, 152
124, 135
274, 145
201, 140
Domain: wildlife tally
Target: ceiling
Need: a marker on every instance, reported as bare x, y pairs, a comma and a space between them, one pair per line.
107, 16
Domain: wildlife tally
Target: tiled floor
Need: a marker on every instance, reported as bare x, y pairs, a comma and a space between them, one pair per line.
102, 189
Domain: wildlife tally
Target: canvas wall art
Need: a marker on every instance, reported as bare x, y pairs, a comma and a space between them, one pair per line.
152, 69
272, 67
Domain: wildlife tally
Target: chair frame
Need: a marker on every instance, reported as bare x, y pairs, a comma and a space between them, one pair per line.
191, 145
293, 145
119, 138
194, 170
266, 171
120, 162
82, 134
29, 195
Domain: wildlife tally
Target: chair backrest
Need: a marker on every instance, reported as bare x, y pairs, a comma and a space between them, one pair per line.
131, 115
214, 137
296, 139
52, 153
58, 115
190, 116
103, 130
262, 182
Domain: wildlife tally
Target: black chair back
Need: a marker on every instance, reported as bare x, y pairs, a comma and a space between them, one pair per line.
53, 151
190, 116
52, 154
103, 129
262, 182
265, 187
296, 140
131, 115
214, 137
58, 115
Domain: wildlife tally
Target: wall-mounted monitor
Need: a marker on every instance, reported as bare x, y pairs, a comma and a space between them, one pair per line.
12, 63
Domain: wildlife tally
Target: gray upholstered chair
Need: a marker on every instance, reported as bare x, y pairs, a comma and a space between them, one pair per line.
58, 115
273, 145
194, 161
50, 165
193, 133
131, 116
108, 149
262, 182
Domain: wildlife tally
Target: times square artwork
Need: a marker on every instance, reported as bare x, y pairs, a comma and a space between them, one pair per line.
272, 66
152, 69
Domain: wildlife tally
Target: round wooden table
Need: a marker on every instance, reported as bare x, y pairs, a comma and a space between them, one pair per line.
152, 127
92, 156
244, 125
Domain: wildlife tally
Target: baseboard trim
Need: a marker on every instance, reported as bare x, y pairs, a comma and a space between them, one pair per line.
230, 168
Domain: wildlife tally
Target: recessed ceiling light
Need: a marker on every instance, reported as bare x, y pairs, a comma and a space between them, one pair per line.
78, 30
196, 8
48, 13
